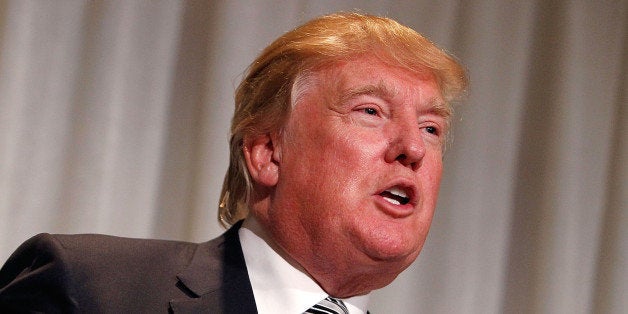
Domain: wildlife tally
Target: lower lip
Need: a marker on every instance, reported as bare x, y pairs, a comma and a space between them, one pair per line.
395, 211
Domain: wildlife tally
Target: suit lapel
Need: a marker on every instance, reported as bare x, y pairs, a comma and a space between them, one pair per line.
216, 279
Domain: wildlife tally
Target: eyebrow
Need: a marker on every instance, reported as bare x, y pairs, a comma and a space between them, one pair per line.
436, 105
440, 108
380, 90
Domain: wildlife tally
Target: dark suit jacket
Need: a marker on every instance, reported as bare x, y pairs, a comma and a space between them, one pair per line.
105, 274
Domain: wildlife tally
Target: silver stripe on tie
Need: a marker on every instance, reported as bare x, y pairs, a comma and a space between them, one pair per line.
328, 306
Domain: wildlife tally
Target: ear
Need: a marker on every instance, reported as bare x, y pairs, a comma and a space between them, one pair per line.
262, 156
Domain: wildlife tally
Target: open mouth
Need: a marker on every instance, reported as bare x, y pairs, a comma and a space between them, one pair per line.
396, 196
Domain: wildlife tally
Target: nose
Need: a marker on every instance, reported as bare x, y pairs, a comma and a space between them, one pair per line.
407, 146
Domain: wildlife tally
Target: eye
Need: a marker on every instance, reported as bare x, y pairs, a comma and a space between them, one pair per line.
370, 111
432, 130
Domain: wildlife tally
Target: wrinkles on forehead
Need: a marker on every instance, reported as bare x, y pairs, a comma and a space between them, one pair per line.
331, 83
380, 90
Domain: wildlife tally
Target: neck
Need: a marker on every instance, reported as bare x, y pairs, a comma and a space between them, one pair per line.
254, 225
334, 279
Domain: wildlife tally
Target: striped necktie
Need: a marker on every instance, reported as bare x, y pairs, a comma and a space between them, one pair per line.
328, 306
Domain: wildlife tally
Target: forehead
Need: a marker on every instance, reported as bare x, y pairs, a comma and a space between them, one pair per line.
369, 75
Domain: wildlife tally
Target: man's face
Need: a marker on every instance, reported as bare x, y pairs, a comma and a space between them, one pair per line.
360, 163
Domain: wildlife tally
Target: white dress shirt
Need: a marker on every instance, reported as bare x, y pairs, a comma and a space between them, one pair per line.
279, 287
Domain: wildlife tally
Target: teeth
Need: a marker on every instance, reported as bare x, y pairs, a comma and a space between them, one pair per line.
393, 201
397, 191
395, 196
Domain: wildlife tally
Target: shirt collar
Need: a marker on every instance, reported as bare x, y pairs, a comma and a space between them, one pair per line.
275, 281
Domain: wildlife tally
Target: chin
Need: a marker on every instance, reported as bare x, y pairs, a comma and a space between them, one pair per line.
389, 248
401, 257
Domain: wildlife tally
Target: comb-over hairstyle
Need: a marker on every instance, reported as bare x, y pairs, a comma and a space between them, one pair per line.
263, 100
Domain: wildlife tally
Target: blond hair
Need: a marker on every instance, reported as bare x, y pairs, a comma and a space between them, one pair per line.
263, 98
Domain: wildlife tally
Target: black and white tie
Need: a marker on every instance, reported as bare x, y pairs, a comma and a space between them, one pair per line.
328, 306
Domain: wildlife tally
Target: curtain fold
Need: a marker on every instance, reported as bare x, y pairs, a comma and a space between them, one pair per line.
114, 118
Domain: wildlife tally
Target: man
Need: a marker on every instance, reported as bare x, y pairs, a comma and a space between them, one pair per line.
336, 159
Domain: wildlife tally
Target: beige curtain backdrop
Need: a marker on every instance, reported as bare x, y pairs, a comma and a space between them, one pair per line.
114, 119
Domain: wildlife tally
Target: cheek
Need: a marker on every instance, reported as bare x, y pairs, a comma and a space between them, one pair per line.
432, 171
360, 148
338, 167
354, 160
337, 150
